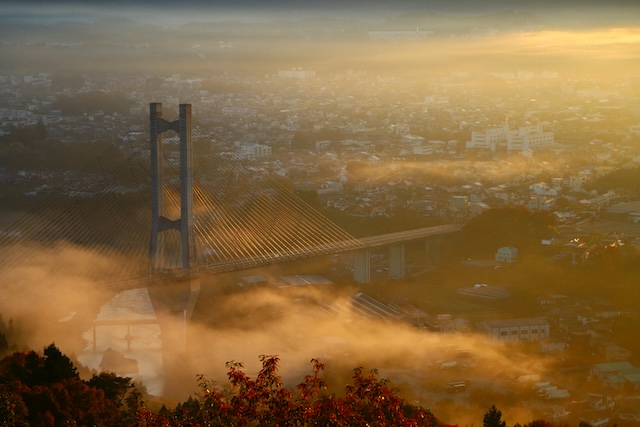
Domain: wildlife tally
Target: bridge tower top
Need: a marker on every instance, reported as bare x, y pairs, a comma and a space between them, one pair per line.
159, 222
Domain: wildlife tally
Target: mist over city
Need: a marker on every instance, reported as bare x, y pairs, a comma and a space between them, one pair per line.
444, 195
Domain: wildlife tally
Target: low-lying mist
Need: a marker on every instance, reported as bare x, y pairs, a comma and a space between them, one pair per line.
240, 323
294, 324
52, 291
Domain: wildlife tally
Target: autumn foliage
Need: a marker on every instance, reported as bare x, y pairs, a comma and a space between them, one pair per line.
264, 401
46, 390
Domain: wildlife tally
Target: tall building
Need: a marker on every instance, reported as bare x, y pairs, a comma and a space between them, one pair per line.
529, 138
251, 151
526, 138
489, 139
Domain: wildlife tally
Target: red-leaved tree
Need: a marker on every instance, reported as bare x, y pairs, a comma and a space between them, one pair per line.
264, 401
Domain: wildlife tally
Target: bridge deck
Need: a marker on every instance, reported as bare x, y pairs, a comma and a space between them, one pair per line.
409, 235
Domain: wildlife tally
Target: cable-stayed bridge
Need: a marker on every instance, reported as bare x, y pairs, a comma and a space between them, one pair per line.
210, 213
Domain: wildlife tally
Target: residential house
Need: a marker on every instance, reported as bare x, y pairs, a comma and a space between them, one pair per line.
617, 375
541, 203
601, 402
507, 254
543, 189
615, 353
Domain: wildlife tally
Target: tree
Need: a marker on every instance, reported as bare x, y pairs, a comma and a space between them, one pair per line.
46, 390
30, 395
122, 391
264, 401
114, 387
57, 366
493, 418
4, 345
562, 203
40, 130
302, 140
12, 410
500, 227
620, 179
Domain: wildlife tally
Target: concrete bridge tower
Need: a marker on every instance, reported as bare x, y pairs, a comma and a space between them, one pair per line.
160, 223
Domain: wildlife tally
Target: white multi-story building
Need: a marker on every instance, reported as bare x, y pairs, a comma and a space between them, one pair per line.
251, 151
422, 150
543, 189
514, 330
412, 139
489, 139
529, 138
526, 138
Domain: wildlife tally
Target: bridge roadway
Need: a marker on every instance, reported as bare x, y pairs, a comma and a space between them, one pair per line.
332, 248
409, 235
359, 246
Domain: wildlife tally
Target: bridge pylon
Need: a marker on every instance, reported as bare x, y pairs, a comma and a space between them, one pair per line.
159, 222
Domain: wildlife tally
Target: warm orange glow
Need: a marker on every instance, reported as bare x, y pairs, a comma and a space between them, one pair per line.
606, 43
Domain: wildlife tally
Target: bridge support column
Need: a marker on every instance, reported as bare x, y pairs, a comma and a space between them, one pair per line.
396, 260
362, 266
186, 186
156, 127
160, 223
428, 248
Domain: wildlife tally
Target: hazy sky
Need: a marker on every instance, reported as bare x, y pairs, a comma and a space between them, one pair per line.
186, 10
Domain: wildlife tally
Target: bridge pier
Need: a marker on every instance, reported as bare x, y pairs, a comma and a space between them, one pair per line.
436, 250
397, 261
174, 302
362, 265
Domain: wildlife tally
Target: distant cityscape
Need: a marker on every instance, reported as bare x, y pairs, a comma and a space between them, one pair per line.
532, 149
